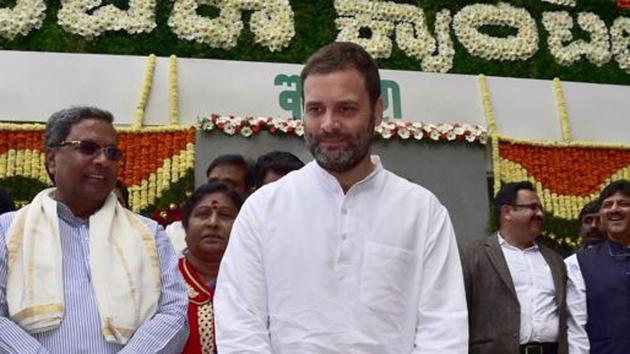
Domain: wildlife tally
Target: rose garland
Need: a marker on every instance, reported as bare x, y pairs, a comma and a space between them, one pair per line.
272, 23
24, 17
388, 129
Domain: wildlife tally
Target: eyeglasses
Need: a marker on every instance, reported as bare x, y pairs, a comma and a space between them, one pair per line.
91, 148
533, 207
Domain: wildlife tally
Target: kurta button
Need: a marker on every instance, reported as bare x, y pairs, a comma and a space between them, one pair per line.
344, 211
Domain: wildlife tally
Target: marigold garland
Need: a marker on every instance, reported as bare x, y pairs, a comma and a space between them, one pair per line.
567, 176
145, 92
173, 89
155, 158
562, 110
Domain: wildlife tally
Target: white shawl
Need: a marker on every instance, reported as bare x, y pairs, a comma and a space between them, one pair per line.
123, 264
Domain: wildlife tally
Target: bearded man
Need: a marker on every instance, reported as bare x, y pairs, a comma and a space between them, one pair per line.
341, 256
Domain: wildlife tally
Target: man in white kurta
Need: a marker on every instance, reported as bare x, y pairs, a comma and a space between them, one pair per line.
341, 256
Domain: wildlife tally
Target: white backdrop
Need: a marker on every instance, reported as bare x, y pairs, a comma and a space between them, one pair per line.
35, 84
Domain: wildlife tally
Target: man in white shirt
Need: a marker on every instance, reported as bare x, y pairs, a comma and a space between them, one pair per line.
341, 256
597, 291
514, 285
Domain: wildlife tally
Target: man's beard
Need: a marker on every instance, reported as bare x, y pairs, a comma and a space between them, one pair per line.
358, 146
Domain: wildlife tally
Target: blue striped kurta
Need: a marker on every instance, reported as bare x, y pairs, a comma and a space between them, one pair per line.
80, 330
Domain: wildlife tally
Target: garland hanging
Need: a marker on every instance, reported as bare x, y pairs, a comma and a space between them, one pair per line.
388, 129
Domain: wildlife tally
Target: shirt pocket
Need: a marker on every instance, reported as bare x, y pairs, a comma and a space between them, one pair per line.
386, 276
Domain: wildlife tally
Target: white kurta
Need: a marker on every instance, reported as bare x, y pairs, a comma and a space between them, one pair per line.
310, 269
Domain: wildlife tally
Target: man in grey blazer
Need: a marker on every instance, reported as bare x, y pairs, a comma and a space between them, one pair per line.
515, 286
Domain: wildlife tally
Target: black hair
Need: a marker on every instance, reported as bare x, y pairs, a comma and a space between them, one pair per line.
507, 195
235, 160
204, 190
280, 162
339, 56
621, 186
60, 123
590, 208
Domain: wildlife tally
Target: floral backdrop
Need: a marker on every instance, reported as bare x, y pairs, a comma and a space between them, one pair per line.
566, 177
157, 166
575, 40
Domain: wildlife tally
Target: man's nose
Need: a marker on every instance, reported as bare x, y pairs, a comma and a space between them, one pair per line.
330, 122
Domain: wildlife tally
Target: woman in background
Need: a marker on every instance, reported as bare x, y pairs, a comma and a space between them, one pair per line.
208, 217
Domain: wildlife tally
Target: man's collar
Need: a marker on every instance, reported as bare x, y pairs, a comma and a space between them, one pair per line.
332, 182
503, 242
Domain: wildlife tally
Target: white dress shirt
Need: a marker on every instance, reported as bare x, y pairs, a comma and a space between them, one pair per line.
310, 269
535, 290
576, 303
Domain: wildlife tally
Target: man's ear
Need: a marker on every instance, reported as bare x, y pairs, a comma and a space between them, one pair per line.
505, 213
50, 163
378, 111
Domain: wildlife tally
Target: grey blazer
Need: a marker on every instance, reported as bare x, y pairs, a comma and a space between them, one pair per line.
493, 307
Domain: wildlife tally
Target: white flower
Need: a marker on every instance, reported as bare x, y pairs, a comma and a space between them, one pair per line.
418, 134
299, 129
271, 22
523, 46
73, 17
404, 133
246, 131
570, 3
412, 33
24, 17
559, 25
229, 129
620, 35
435, 135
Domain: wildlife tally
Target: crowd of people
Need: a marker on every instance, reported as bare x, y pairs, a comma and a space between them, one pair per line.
336, 256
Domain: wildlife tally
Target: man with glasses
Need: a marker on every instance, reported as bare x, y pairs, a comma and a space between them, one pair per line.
597, 291
515, 286
79, 273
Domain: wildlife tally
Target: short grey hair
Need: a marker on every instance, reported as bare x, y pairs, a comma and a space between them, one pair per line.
59, 124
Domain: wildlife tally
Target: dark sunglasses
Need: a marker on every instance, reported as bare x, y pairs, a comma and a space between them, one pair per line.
91, 148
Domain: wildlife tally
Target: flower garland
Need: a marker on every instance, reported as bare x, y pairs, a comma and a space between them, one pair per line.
155, 159
562, 110
74, 18
272, 23
388, 129
553, 168
173, 89
559, 25
412, 33
570, 3
523, 46
620, 35
144, 92
24, 17
21, 151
